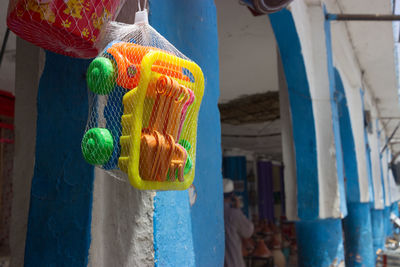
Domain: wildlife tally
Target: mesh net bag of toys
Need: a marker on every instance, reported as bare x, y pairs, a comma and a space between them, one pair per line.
69, 27
145, 96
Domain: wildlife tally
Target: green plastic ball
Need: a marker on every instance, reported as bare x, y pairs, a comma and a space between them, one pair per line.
101, 76
97, 146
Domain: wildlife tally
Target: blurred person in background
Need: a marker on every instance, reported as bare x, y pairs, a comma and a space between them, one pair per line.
237, 226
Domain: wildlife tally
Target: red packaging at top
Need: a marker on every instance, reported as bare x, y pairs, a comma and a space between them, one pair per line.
69, 27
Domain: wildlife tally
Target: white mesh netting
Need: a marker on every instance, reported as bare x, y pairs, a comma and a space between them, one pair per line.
145, 96
68, 27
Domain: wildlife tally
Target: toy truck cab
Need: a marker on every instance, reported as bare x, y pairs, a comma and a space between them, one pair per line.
121, 65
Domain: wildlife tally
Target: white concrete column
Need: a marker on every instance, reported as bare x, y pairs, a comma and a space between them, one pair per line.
122, 216
310, 26
29, 66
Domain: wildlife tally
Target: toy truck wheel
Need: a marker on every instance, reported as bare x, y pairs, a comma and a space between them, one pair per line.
101, 76
97, 146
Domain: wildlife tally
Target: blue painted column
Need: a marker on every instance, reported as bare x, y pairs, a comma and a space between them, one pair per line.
357, 224
395, 210
386, 187
378, 229
386, 210
388, 223
357, 228
184, 235
61, 194
368, 153
378, 215
320, 242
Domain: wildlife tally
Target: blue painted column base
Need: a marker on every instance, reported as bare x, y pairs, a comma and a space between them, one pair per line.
378, 229
387, 222
395, 210
320, 243
357, 227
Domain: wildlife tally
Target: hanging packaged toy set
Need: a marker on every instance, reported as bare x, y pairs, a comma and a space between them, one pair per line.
69, 27
144, 101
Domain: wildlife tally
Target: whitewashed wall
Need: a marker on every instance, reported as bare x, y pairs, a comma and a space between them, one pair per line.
309, 22
347, 66
288, 151
384, 157
247, 52
378, 186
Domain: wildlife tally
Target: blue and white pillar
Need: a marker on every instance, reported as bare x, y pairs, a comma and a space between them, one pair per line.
366, 225
319, 203
191, 26
378, 204
357, 224
385, 179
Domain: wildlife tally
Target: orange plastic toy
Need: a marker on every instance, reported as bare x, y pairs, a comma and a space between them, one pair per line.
123, 68
159, 148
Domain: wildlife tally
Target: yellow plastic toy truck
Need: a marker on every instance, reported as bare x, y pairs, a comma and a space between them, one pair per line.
159, 121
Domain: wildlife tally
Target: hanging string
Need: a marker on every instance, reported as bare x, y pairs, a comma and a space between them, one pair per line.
139, 7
